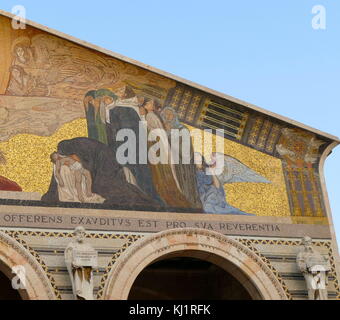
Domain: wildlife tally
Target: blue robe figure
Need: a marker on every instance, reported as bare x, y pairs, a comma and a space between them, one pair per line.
211, 186
214, 199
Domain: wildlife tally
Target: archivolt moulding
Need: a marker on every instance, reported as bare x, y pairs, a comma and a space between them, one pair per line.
12, 253
237, 259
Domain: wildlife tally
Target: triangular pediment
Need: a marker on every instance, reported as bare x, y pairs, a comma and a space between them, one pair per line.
55, 88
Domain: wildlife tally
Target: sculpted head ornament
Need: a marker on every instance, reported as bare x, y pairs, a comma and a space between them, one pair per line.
79, 233
306, 241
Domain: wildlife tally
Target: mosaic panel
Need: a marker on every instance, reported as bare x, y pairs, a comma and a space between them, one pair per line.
63, 106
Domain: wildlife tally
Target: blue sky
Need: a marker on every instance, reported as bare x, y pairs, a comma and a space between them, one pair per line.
264, 52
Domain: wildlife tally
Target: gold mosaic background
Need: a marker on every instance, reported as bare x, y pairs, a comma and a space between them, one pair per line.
28, 164
28, 156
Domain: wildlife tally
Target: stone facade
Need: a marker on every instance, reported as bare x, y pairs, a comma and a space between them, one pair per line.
274, 186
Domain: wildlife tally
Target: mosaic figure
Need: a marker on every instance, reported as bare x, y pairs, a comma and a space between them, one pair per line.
211, 191
163, 174
108, 178
126, 113
185, 171
74, 182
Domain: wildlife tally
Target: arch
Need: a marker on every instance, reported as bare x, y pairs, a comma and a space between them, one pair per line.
12, 253
232, 256
185, 278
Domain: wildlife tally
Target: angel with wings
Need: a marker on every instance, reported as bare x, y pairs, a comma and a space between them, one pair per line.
212, 177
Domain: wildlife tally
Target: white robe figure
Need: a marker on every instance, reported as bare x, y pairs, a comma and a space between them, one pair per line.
315, 268
68, 192
81, 259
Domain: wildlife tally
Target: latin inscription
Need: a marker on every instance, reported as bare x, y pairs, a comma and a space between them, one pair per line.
121, 224
90, 222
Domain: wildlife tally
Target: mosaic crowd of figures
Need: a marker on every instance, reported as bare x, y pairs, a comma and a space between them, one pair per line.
87, 169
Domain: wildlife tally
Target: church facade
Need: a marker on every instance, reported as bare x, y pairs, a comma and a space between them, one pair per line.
120, 181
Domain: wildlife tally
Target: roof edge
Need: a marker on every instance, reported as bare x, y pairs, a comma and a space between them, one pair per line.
173, 77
